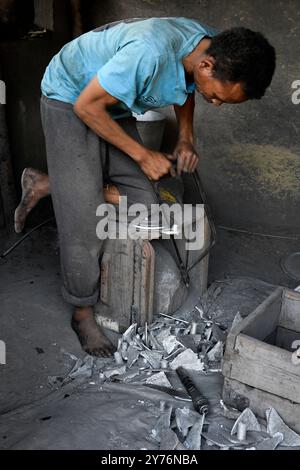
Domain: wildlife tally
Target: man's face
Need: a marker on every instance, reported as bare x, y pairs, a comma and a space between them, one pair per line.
214, 90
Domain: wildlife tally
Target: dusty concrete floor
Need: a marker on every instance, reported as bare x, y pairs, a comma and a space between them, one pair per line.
35, 321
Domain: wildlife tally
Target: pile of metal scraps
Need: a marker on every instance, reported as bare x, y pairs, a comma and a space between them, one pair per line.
167, 344
152, 355
185, 429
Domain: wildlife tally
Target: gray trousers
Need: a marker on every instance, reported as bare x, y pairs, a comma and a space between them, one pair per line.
76, 157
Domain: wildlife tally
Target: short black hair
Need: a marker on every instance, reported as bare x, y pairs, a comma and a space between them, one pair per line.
245, 56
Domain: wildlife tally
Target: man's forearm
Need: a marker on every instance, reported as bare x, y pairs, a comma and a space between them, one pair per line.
185, 119
102, 124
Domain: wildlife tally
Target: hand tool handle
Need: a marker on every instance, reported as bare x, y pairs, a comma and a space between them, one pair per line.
199, 401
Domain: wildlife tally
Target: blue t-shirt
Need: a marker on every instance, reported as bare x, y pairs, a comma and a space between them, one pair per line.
138, 61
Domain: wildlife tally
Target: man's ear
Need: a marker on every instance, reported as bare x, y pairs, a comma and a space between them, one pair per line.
207, 63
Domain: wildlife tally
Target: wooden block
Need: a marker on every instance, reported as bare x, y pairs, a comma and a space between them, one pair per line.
239, 396
258, 354
264, 366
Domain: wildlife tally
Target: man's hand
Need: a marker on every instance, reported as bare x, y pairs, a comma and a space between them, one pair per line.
156, 165
187, 157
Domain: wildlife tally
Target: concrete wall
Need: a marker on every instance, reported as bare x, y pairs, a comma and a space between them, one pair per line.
250, 153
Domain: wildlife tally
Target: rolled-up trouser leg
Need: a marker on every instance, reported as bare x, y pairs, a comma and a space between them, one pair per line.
75, 174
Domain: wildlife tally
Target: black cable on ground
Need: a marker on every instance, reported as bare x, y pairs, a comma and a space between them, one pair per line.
258, 234
18, 242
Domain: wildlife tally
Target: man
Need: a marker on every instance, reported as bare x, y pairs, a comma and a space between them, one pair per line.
89, 90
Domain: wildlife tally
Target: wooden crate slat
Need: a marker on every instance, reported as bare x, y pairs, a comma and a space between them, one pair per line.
259, 401
264, 366
290, 311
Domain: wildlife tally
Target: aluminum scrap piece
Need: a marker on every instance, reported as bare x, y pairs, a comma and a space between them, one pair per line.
162, 424
194, 328
152, 357
174, 353
173, 318
82, 367
247, 417
159, 379
187, 330
120, 343
221, 436
185, 419
129, 375
241, 431
157, 325
216, 353
187, 359
276, 424
162, 406
208, 333
170, 344
188, 342
164, 333
271, 443
217, 439
193, 440
118, 358
153, 341
218, 334
230, 413
132, 356
130, 333
164, 364
199, 310
169, 440
124, 348
146, 334
108, 373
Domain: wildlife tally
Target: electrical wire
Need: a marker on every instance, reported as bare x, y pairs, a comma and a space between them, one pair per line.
18, 242
258, 234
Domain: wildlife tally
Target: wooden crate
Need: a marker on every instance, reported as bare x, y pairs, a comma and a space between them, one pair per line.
258, 365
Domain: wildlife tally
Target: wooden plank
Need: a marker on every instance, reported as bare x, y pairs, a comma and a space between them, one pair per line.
290, 311
264, 366
235, 392
116, 285
261, 322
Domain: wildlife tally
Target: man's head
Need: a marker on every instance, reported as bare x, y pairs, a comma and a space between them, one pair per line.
237, 65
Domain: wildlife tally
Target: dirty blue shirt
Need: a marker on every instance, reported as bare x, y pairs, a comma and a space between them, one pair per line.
139, 62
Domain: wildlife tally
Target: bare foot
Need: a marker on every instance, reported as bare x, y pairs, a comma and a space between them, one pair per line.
90, 335
35, 186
